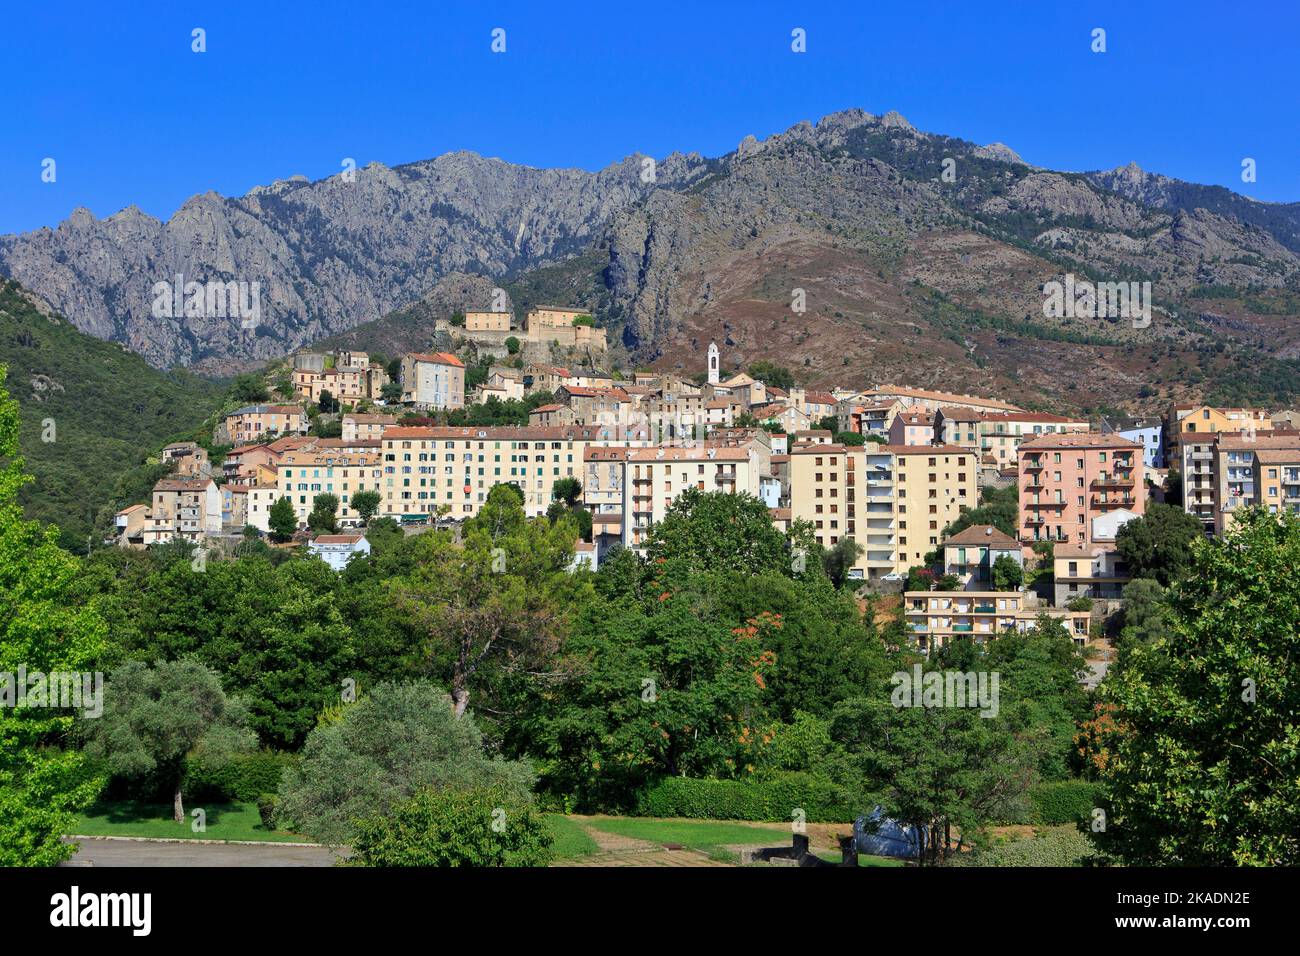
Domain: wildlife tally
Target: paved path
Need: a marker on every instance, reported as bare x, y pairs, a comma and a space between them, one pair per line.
142, 853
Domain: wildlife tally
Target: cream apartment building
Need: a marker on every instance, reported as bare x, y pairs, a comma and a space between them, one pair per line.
937, 617
304, 474
427, 470
639, 485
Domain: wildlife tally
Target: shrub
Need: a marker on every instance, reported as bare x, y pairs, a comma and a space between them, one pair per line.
453, 827
1062, 801
773, 800
1065, 846
244, 777
267, 805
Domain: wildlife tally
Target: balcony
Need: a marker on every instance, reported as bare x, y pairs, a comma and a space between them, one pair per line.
1033, 519
1033, 464
1099, 502
1116, 481
984, 608
963, 628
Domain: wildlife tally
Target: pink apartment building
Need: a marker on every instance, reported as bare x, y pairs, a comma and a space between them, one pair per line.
1069, 480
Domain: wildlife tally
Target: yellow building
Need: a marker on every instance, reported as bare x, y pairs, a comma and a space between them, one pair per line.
893, 500
483, 321
304, 474
426, 470
937, 617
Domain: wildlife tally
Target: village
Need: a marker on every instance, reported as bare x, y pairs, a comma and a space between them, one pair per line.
886, 472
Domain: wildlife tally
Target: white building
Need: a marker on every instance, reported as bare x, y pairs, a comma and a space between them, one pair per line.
337, 550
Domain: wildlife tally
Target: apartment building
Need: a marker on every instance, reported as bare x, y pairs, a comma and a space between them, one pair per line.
246, 425
998, 434
1260, 470
1189, 422
869, 418
448, 470
893, 500
304, 474
362, 427
639, 485
347, 385
186, 508
1147, 432
1068, 480
937, 617
433, 381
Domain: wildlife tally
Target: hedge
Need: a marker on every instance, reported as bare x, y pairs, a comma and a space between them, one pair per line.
772, 800
245, 777
1062, 801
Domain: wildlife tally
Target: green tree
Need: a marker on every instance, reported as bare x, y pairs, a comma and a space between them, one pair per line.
568, 490
486, 826
771, 374
1158, 544
366, 504
1007, 573
999, 507
323, 518
850, 439
391, 392
42, 782
1205, 766
155, 717
282, 520
248, 388
512, 345
839, 559
397, 740
327, 403
717, 530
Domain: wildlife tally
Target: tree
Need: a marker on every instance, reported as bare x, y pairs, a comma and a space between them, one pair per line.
1174, 488
1158, 544
248, 389
1007, 573
771, 374
1205, 765
323, 518
1146, 612
391, 392
718, 530
282, 520
850, 439
839, 559
484, 826
43, 783
154, 717
327, 403
397, 740
512, 345
493, 608
568, 490
366, 504
999, 507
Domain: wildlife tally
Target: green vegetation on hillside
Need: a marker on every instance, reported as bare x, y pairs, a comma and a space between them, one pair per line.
91, 411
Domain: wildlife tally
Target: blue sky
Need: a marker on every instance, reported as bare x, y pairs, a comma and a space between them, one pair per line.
113, 93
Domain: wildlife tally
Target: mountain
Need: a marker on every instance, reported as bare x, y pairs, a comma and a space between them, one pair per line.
919, 258
90, 411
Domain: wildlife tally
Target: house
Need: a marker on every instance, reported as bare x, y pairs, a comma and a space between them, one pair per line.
368, 427
1147, 432
1091, 571
433, 381
912, 427
246, 425
189, 459
337, 550
970, 555
185, 508
250, 464
130, 523
550, 415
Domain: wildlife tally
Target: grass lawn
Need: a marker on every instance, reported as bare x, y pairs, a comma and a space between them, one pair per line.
571, 840
863, 859
225, 821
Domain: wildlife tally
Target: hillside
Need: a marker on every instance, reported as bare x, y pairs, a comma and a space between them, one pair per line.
921, 257
108, 407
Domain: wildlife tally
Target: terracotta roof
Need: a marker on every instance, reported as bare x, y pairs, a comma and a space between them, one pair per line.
183, 484
438, 358
129, 509
1077, 440
338, 538
547, 408
665, 454
946, 397
983, 534
488, 432
926, 450
779, 514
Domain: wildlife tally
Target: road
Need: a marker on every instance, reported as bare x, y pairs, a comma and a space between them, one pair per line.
141, 853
